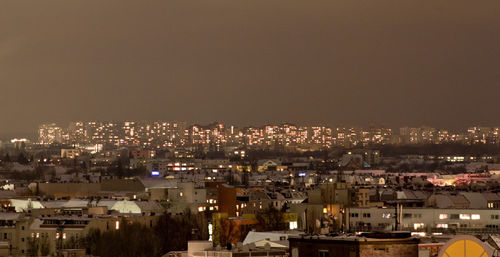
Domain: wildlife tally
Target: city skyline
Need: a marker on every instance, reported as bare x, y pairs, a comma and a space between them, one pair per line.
33, 133
217, 136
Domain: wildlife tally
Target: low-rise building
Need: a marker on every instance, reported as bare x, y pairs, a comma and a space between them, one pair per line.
367, 245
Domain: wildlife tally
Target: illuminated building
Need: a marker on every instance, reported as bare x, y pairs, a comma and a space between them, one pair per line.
49, 133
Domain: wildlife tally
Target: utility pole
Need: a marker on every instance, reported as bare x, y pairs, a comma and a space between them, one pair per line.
398, 215
59, 242
396, 219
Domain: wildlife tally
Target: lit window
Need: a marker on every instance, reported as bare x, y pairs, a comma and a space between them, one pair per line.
418, 225
421, 234
210, 231
475, 216
37, 235
443, 216
441, 225
200, 209
325, 210
64, 235
57, 235
117, 225
293, 225
386, 215
465, 216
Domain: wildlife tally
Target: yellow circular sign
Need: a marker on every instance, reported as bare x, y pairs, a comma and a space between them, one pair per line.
465, 246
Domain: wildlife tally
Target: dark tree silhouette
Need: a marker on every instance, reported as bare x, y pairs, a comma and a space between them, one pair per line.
271, 219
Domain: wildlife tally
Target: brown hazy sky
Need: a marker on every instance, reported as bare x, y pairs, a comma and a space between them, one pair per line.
250, 61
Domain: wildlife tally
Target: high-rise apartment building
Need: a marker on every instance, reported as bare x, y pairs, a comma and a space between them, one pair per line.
49, 133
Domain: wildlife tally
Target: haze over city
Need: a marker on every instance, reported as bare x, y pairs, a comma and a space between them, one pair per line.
239, 128
384, 62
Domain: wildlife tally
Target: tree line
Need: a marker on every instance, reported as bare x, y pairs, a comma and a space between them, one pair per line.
171, 233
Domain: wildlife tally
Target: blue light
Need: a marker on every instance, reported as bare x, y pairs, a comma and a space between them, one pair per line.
155, 173
302, 174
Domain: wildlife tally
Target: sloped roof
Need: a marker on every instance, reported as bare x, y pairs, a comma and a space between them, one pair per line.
387, 195
496, 240
401, 195
297, 195
54, 204
149, 206
272, 244
276, 196
459, 201
412, 195
254, 236
105, 203
421, 195
476, 200
75, 203
24, 205
490, 197
258, 195
126, 207
122, 206
443, 201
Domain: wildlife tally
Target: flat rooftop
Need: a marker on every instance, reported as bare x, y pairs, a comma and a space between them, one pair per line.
364, 237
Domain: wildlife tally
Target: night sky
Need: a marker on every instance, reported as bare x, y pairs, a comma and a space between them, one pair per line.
349, 62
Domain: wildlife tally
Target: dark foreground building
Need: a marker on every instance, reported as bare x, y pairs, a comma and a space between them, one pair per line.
399, 244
